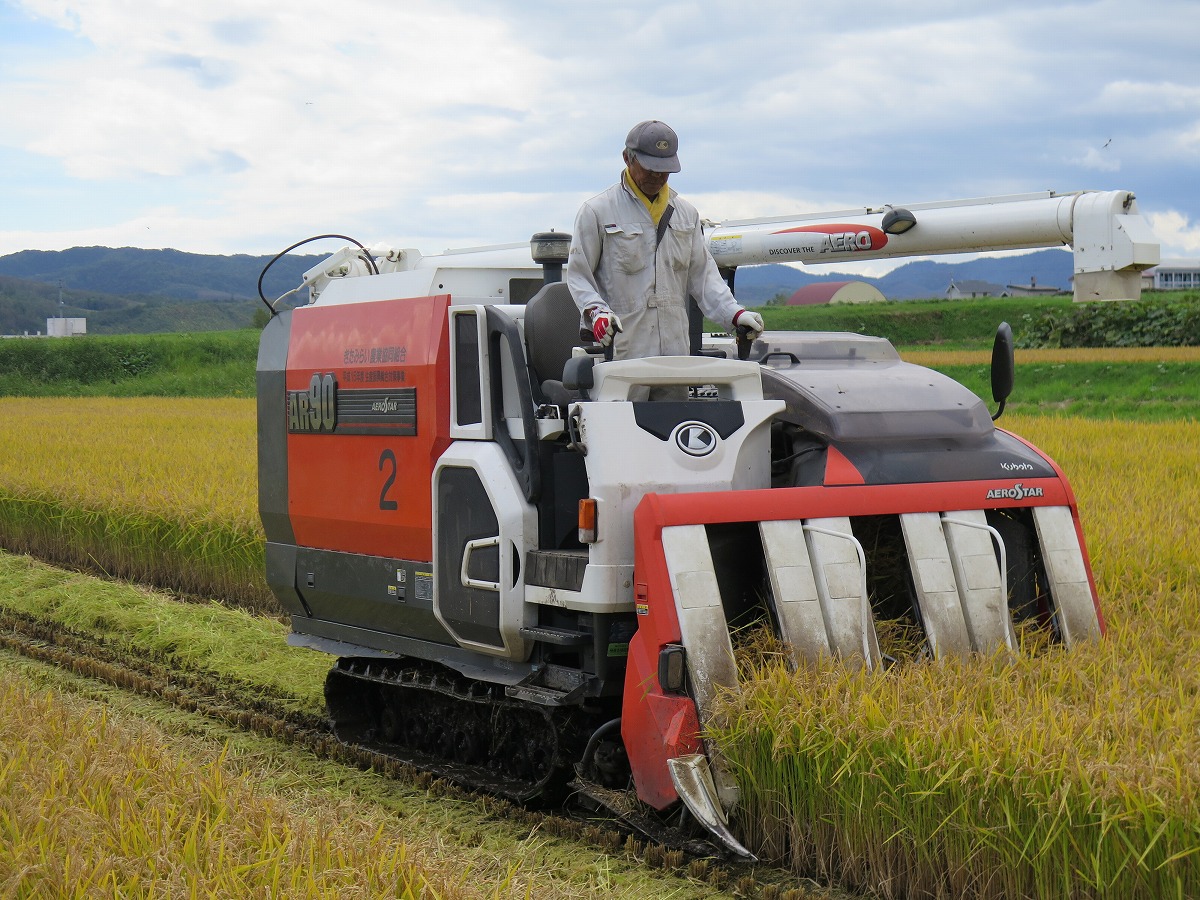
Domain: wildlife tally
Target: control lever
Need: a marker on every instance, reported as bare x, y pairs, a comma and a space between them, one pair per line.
588, 340
744, 342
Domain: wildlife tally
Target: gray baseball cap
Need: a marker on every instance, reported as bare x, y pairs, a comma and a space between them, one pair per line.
655, 146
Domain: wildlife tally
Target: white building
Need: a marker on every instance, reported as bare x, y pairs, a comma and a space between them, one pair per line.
1172, 275
969, 289
61, 327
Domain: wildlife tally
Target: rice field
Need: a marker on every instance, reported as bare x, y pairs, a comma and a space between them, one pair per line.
1114, 355
1067, 774
473, 847
163, 490
157, 490
96, 805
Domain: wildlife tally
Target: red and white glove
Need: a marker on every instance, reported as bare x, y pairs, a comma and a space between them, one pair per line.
749, 320
604, 325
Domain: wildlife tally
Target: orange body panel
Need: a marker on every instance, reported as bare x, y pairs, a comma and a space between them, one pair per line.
365, 487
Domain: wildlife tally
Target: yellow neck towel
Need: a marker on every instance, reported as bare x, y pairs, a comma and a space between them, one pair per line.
658, 205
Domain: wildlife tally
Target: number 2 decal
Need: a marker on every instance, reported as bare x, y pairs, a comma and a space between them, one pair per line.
387, 459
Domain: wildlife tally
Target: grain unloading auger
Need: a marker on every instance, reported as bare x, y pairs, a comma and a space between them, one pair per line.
529, 574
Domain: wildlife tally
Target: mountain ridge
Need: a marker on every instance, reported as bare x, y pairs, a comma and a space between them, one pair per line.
130, 290
918, 279
166, 273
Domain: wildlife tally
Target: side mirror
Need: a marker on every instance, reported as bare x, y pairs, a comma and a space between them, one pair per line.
1003, 367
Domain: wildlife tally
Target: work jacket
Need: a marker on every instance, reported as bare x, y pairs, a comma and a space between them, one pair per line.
617, 263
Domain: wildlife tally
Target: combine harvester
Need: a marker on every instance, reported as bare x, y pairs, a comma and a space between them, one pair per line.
531, 579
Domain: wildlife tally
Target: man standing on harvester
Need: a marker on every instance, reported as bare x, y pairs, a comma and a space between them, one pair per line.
638, 251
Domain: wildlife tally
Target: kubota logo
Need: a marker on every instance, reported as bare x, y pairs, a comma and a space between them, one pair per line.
814, 240
696, 438
1017, 467
1017, 492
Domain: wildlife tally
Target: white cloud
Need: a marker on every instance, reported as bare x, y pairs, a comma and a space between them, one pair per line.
1139, 97
447, 123
161, 94
1183, 141
154, 229
1098, 159
720, 206
333, 118
1179, 235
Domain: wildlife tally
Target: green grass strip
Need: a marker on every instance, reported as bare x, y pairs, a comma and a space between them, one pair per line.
204, 637
1143, 391
207, 364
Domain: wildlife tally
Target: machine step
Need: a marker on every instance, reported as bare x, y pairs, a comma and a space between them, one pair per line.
550, 685
559, 637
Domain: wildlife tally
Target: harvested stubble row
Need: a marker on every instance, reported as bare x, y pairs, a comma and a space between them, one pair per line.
155, 490
94, 805
1066, 774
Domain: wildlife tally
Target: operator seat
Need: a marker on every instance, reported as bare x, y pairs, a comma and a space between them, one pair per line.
551, 333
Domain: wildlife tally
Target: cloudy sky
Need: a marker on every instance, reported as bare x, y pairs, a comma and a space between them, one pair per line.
240, 126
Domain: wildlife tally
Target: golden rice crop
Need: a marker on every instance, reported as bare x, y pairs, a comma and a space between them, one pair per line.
1066, 774
152, 489
177, 456
935, 358
93, 805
